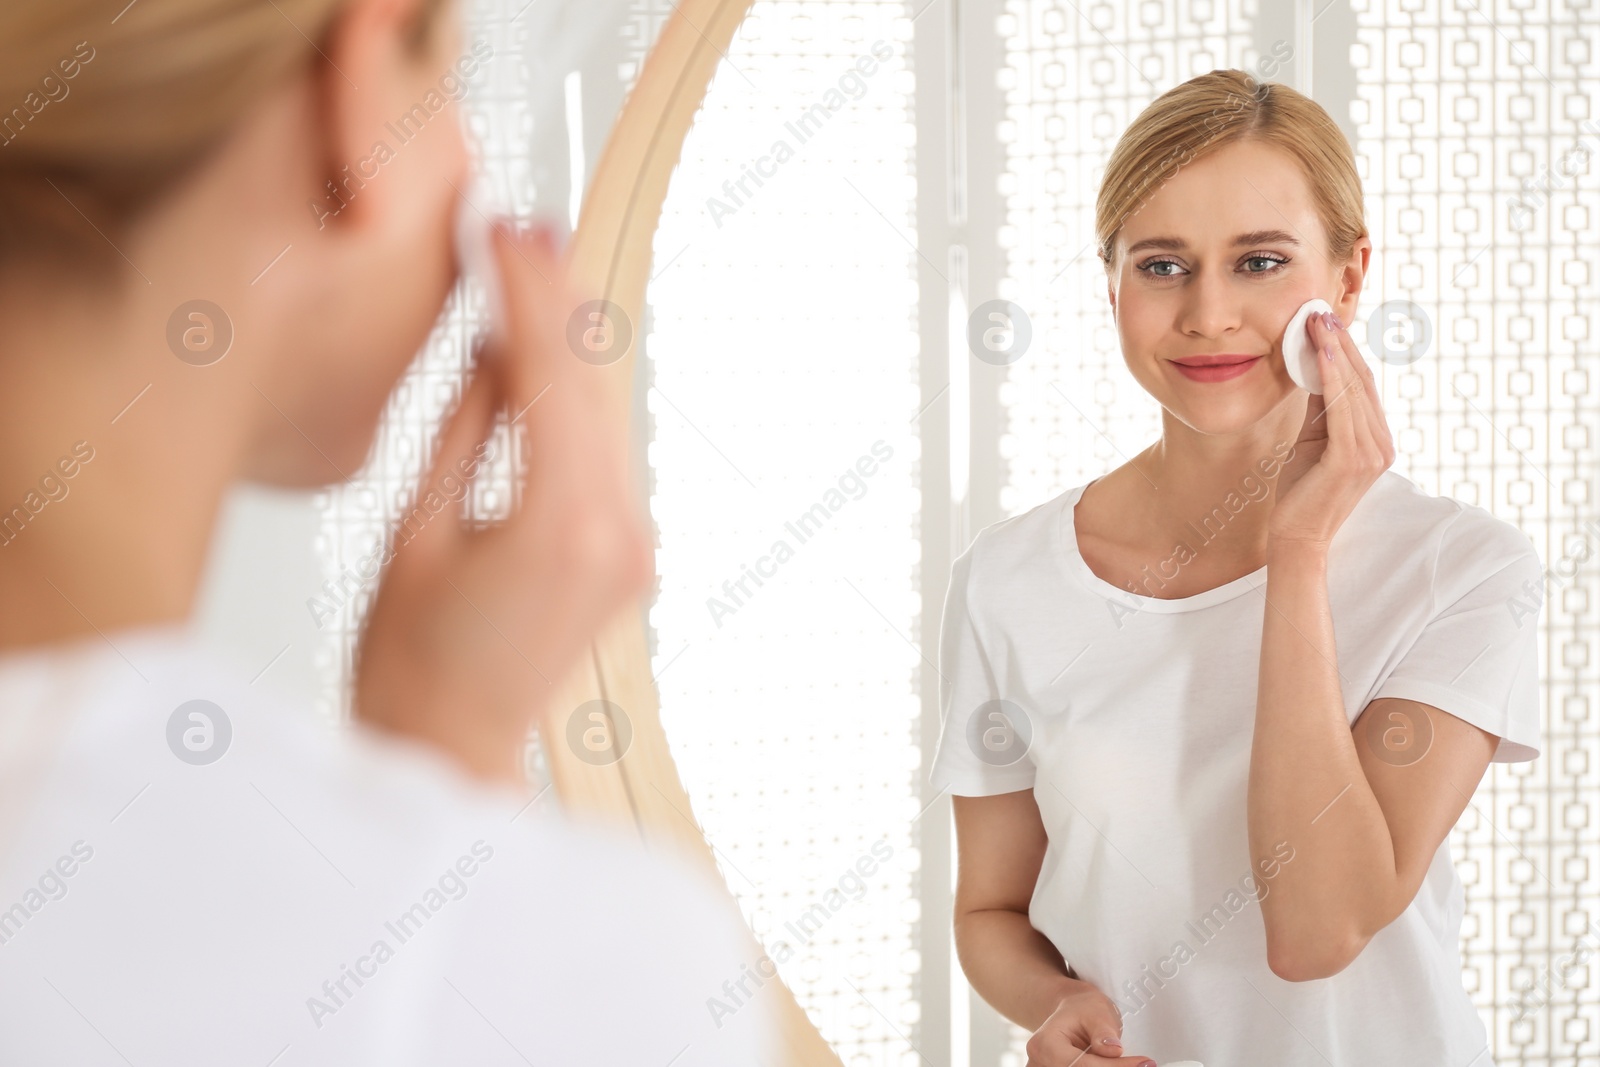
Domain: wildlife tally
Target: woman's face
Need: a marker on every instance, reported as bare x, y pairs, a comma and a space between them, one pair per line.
1216, 263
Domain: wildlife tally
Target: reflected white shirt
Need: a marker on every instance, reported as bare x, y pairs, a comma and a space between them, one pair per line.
1131, 719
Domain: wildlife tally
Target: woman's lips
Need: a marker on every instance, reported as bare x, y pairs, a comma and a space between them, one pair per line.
1216, 373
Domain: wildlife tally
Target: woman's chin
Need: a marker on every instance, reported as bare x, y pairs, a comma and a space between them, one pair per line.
1225, 416
308, 466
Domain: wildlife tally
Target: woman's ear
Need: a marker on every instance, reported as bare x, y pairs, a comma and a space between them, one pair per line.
1351, 278
375, 94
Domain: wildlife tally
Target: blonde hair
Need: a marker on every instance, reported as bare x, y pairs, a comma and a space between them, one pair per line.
100, 114
1223, 107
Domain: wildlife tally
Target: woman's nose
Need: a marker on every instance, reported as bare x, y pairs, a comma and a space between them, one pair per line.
1210, 307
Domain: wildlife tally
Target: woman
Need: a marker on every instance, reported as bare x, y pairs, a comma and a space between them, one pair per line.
1211, 717
188, 872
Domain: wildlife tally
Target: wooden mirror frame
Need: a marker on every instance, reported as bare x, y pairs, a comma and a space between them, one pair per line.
609, 258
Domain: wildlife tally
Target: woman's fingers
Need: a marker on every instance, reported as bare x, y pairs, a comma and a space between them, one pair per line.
433, 523
580, 515
1345, 390
1076, 1034
1369, 429
565, 413
1339, 392
1377, 423
1052, 1046
1069, 1055
536, 298
1103, 1027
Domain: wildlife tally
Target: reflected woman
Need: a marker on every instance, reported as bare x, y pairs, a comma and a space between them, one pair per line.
1210, 717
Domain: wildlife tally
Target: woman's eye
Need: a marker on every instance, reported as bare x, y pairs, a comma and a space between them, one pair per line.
1271, 262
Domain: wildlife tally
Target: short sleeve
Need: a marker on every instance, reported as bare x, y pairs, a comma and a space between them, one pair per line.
1477, 656
983, 739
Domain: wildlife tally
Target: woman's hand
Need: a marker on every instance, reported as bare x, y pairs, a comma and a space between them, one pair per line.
472, 630
1344, 445
1084, 1030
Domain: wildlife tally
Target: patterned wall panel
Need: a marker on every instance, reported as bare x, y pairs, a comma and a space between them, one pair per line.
1476, 127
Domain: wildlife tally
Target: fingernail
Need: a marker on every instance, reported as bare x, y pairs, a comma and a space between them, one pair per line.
545, 234
552, 234
1327, 352
1113, 1042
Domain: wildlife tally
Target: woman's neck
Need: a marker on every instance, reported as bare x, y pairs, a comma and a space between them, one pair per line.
1190, 484
114, 456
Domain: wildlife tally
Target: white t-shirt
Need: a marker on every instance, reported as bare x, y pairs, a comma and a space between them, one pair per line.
324, 897
1132, 724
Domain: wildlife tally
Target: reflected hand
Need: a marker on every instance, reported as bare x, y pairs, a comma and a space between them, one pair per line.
1075, 1034
1344, 445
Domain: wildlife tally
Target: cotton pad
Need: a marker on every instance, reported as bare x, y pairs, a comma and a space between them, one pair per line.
1184, 1063
1299, 355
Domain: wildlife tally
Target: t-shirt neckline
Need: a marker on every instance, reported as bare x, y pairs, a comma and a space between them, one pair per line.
1077, 568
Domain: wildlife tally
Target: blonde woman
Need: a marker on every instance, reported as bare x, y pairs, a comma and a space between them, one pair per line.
190, 873
1211, 717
